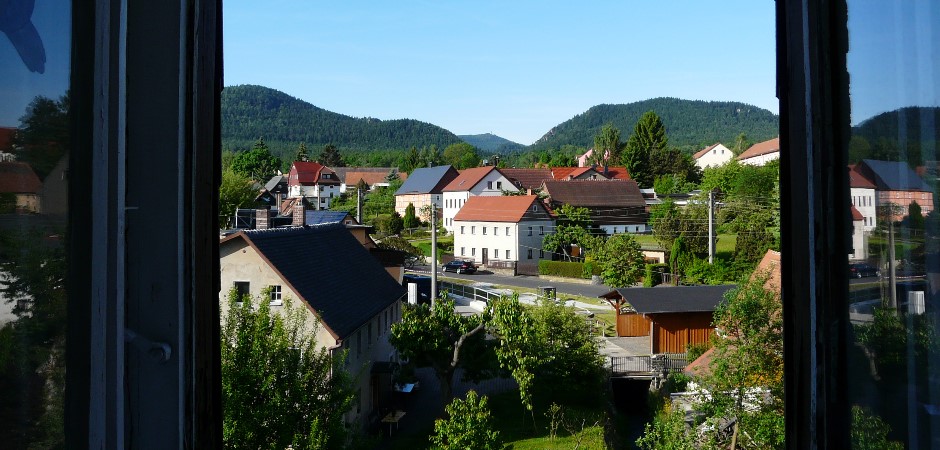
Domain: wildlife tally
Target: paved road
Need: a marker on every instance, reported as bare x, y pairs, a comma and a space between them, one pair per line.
525, 281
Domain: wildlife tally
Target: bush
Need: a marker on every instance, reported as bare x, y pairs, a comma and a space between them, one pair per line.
590, 268
654, 274
561, 269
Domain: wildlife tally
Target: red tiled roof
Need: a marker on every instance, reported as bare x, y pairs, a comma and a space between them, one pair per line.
769, 266
500, 208
761, 148
467, 179
371, 178
701, 366
308, 173
6, 138
616, 173
614, 193
859, 180
527, 178
856, 216
705, 150
18, 178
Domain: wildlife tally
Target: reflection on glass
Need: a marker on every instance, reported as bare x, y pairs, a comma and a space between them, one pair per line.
34, 148
893, 352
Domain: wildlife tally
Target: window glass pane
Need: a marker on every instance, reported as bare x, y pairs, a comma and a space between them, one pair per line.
35, 61
892, 353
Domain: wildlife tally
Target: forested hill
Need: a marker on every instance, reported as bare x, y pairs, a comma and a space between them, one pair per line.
250, 112
880, 137
690, 124
491, 143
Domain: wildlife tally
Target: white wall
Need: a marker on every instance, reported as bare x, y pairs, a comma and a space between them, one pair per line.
324, 192
864, 201
470, 243
760, 160
859, 241
493, 184
619, 229
715, 157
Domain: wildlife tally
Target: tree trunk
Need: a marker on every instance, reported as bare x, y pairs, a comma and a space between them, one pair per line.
446, 380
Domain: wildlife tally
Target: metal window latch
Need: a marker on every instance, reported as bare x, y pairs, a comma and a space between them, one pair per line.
159, 351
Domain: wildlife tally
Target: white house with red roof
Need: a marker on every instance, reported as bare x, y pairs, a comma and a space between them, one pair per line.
478, 181
502, 228
712, 156
859, 236
761, 153
863, 197
313, 181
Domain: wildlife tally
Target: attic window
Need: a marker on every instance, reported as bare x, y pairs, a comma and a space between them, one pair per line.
489, 185
326, 176
535, 208
499, 185
274, 291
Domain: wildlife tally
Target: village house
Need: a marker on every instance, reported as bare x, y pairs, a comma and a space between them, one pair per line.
712, 156
502, 230
528, 179
615, 206
478, 181
859, 236
351, 299
314, 182
863, 197
761, 153
373, 177
424, 187
896, 187
20, 187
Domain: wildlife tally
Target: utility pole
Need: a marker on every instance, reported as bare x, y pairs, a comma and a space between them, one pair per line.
892, 274
359, 205
711, 226
433, 255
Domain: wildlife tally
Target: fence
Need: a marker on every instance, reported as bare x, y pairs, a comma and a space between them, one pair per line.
660, 363
470, 292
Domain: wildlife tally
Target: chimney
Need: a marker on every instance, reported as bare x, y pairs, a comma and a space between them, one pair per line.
299, 211
528, 191
262, 218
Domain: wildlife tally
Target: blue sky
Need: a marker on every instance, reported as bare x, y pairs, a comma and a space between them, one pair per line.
514, 69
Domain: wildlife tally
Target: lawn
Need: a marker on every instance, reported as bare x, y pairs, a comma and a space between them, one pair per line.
584, 423
444, 245
725, 244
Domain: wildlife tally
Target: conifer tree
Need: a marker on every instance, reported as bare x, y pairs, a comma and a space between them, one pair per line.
649, 135
301, 153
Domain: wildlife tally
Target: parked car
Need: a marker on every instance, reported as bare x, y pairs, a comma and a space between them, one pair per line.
460, 266
859, 270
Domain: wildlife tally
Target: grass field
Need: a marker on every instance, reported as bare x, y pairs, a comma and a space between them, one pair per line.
724, 248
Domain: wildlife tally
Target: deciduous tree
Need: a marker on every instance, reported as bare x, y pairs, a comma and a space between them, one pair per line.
607, 146
621, 260
235, 192
280, 388
257, 164
468, 426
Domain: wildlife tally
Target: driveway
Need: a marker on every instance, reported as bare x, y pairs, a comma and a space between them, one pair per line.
525, 281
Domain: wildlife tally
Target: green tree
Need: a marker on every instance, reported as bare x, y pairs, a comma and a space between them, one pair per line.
235, 192
280, 388
413, 254
668, 431
389, 224
468, 426
301, 154
43, 137
622, 262
915, 216
669, 221
741, 143
572, 229
330, 156
411, 160
607, 146
258, 163
410, 220
649, 135
443, 340
870, 432
671, 161
461, 155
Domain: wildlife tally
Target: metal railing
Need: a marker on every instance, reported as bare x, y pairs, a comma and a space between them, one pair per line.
470, 292
660, 363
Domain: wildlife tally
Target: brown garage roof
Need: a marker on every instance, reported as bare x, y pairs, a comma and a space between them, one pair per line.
528, 178
761, 148
623, 193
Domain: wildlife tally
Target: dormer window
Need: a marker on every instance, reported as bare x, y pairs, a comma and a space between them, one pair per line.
326, 176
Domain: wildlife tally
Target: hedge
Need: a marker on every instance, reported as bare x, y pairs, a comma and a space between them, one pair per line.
654, 274
562, 269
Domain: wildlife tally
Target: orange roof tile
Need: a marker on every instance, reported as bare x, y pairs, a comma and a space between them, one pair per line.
761, 148
859, 180
501, 208
856, 216
527, 178
467, 179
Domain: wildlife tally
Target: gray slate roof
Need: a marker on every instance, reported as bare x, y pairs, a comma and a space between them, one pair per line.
673, 299
331, 271
276, 185
430, 180
894, 176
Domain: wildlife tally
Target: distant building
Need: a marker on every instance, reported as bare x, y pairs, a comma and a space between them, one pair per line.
478, 181
615, 206
503, 228
313, 181
761, 153
372, 176
424, 187
859, 236
713, 156
897, 185
863, 197
18, 181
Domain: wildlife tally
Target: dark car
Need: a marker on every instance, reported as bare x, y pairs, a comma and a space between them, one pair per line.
459, 266
859, 270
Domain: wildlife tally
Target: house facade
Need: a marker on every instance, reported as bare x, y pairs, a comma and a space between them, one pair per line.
488, 229
713, 156
615, 206
21, 185
372, 176
478, 181
761, 153
896, 187
863, 198
313, 181
424, 187
859, 236
352, 300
